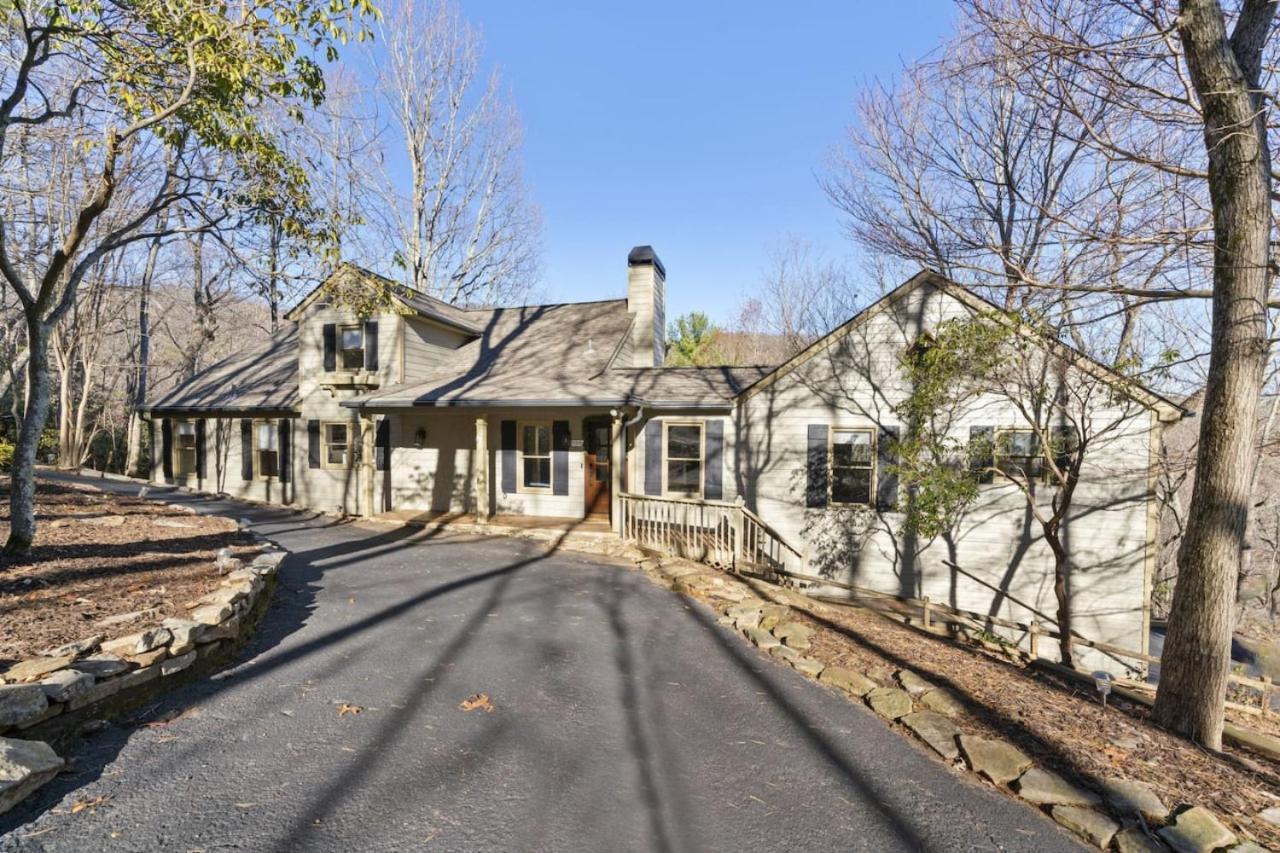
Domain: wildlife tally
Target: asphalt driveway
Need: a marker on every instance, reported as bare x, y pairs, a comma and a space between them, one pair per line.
625, 719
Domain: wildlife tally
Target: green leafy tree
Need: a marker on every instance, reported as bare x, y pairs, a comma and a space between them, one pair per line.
147, 107
691, 341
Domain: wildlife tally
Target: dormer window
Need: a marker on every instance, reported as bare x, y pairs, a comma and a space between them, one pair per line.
351, 348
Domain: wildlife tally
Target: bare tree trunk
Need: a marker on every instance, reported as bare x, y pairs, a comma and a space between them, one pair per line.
1061, 571
1225, 73
273, 275
64, 354
1251, 522
22, 484
133, 463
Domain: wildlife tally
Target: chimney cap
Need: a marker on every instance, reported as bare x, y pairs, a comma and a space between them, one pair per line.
641, 255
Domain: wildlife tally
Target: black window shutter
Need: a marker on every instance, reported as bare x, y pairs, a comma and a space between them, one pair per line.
981, 450
816, 469
653, 458
330, 347
1066, 442
285, 428
559, 457
166, 448
382, 445
507, 438
313, 444
886, 458
713, 468
200, 449
246, 449
371, 345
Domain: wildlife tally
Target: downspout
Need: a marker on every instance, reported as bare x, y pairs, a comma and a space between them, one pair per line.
626, 426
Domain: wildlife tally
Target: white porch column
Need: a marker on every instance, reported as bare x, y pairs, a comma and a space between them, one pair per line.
480, 469
367, 451
617, 459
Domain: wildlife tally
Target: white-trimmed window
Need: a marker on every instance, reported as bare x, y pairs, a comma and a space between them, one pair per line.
266, 449
337, 445
852, 465
184, 448
684, 459
351, 348
1017, 454
535, 456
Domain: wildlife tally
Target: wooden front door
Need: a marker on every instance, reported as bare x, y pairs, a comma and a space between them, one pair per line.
599, 476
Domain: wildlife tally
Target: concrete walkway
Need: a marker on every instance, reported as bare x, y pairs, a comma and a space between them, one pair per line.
625, 719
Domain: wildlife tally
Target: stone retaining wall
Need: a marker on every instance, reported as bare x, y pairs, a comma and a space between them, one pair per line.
1122, 815
49, 698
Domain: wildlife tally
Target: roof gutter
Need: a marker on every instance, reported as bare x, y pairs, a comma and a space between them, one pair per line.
544, 404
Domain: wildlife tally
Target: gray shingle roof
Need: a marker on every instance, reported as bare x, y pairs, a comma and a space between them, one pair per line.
466, 319
263, 378
558, 355
524, 356
675, 387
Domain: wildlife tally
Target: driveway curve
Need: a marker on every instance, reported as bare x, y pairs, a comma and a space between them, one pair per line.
624, 718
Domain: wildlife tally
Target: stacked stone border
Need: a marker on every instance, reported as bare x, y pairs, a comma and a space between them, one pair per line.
49, 699
1123, 815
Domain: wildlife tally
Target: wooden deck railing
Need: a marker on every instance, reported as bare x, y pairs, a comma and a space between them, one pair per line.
720, 533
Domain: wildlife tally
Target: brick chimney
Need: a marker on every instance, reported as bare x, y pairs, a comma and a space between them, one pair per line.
646, 301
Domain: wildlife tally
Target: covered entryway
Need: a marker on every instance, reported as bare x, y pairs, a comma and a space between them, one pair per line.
597, 468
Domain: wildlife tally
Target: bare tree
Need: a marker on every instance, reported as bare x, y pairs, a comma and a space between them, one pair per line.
467, 231
956, 168
1187, 87
101, 92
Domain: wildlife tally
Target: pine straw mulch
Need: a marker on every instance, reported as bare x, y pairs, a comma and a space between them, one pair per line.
98, 555
1059, 723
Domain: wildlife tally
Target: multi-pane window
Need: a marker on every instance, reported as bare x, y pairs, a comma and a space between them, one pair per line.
184, 448
351, 348
1018, 454
535, 452
267, 449
684, 459
851, 466
337, 445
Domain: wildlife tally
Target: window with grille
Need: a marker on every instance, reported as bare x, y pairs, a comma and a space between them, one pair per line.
184, 448
267, 448
535, 453
684, 459
351, 348
852, 465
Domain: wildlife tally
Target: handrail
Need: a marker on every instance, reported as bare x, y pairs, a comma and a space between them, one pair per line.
716, 532
672, 499
774, 533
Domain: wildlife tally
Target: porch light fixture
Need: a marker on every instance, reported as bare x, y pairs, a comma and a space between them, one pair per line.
420, 437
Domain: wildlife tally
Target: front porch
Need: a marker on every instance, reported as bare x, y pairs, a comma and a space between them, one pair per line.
556, 470
596, 527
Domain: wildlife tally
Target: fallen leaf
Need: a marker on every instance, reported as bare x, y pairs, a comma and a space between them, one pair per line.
479, 700
347, 708
92, 805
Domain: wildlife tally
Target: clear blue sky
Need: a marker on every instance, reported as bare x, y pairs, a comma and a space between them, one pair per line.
697, 127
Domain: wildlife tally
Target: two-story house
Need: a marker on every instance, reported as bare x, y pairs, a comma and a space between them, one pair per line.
559, 410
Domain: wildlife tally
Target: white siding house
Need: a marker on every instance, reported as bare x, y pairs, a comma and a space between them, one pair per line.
557, 411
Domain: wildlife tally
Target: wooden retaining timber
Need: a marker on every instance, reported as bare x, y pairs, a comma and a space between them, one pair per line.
727, 535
